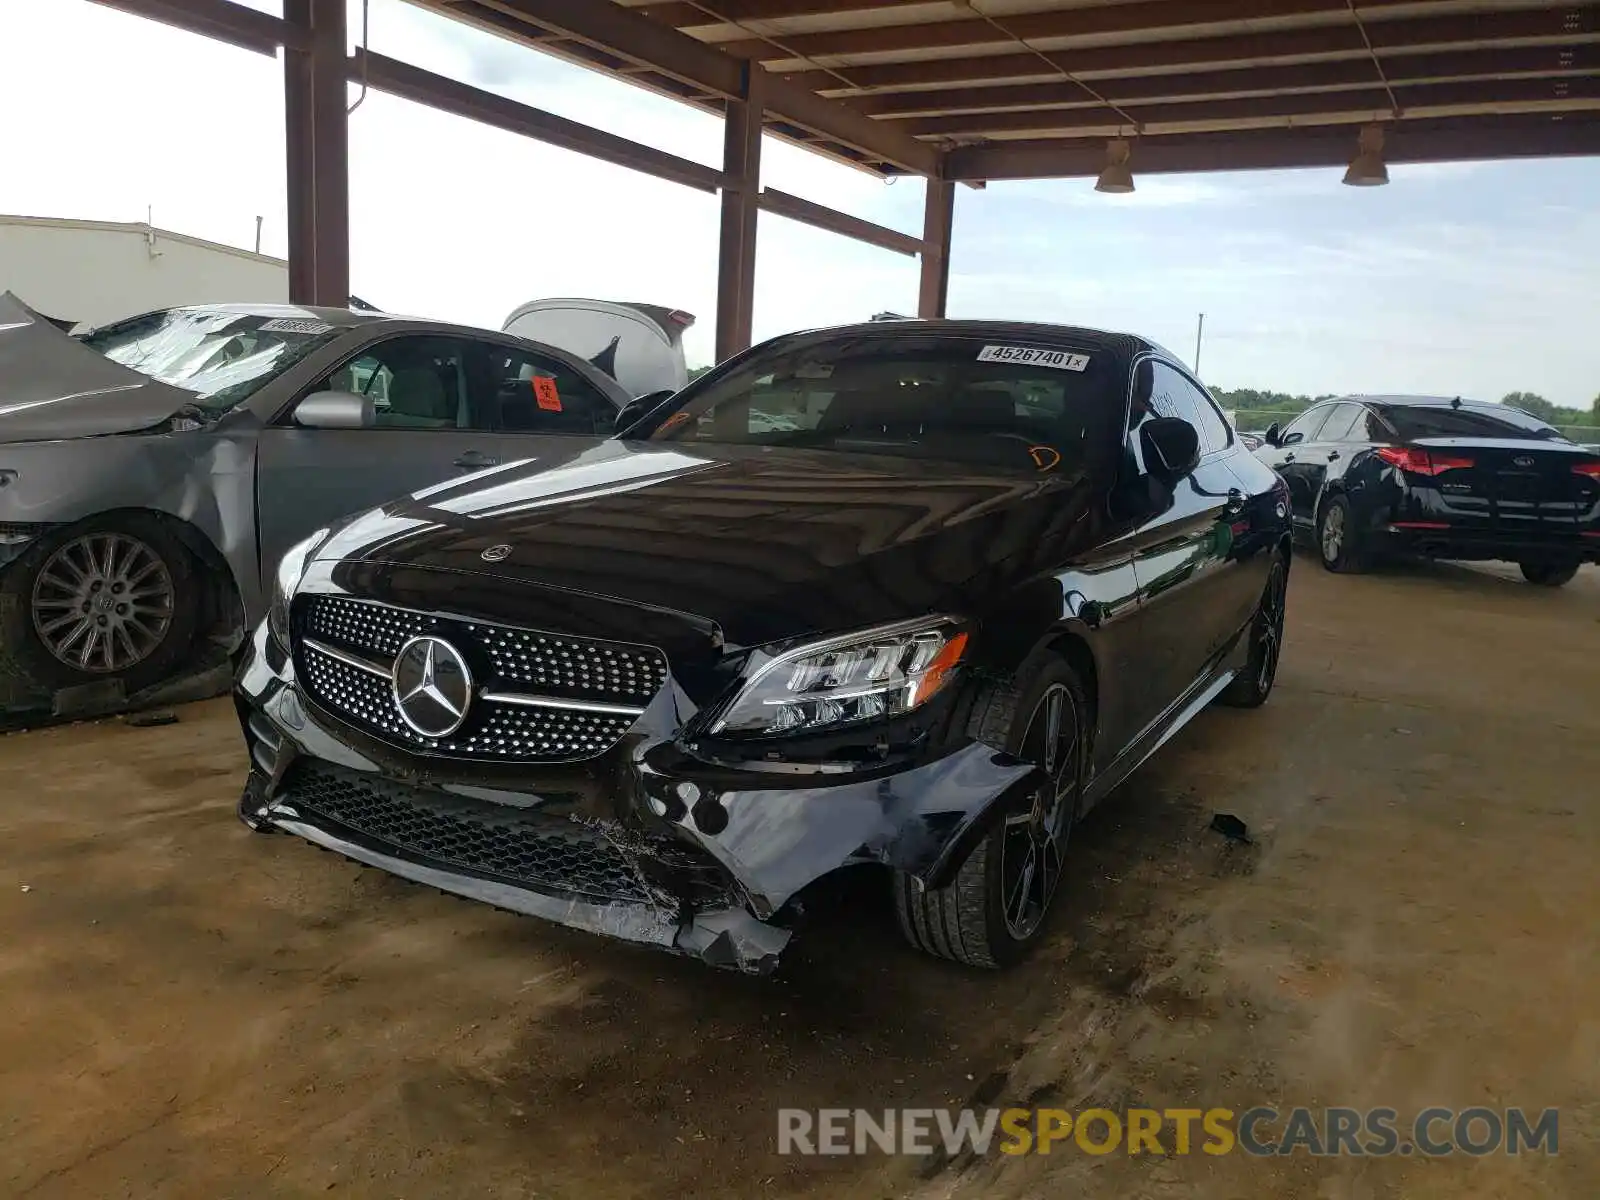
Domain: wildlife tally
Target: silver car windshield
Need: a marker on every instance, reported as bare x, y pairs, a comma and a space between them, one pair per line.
220, 356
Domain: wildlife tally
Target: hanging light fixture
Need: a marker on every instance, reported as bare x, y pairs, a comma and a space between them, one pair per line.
1367, 168
1115, 176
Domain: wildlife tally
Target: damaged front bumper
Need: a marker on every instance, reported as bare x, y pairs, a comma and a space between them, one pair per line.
643, 844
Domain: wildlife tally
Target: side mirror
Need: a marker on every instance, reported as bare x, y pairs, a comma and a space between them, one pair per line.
335, 410
1272, 433
1171, 448
638, 408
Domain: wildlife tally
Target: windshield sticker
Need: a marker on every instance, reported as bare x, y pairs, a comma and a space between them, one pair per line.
814, 371
1061, 360
295, 325
676, 419
545, 394
1046, 458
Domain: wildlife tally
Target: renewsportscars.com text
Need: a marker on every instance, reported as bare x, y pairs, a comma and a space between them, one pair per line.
1261, 1131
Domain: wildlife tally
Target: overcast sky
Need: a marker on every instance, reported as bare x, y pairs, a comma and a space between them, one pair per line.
1455, 279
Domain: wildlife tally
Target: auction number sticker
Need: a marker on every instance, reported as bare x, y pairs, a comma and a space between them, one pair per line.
1061, 360
295, 325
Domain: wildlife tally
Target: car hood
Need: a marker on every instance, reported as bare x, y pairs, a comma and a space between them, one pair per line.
53, 386
764, 543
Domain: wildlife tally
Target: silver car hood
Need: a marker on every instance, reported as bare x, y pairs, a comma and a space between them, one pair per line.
53, 386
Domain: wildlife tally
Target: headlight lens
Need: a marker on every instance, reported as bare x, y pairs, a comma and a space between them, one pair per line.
870, 675
290, 569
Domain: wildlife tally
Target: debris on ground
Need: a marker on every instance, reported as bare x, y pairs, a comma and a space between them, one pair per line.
149, 720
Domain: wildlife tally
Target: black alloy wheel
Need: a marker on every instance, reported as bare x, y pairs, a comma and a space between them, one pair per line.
996, 906
1254, 682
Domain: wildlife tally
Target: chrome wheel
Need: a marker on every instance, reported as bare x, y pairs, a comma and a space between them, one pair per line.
1269, 625
1032, 842
103, 603
1332, 533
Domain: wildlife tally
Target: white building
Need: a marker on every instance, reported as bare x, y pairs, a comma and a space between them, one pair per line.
99, 271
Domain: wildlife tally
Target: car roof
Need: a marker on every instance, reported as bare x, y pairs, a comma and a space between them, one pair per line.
1124, 343
339, 317
1419, 401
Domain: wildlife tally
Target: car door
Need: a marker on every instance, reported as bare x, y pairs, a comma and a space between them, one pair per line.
1316, 455
1193, 594
1288, 459
431, 424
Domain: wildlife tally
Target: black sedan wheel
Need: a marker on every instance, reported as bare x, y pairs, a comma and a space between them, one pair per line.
1254, 683
1547, 574
996, 906
1338, 539
106, 601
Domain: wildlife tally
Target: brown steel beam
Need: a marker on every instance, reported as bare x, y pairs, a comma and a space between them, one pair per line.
635, 38
1181, 17
1389, 37
1574, 92
685, 15
1458, 139
1304, 78
424, 87
938, 219
783, 204
221, 20
330, 154
736, 246
299, 167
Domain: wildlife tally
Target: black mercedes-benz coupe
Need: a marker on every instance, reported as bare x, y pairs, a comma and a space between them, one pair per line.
1441, 478
908, 595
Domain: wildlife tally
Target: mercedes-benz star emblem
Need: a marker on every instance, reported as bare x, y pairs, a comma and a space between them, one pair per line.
496, 554
432, 686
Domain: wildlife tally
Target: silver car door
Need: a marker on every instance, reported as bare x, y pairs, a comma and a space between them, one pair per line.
430, 426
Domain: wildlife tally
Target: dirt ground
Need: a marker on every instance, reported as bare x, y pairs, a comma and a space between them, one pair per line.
189, 1010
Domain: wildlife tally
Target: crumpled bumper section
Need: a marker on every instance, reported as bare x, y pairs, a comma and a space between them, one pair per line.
709, 879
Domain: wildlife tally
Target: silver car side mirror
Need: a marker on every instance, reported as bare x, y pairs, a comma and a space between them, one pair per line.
335, 410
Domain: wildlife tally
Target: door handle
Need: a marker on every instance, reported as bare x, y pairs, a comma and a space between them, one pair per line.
476, 460
1235, 503
1332, 454
1288, 458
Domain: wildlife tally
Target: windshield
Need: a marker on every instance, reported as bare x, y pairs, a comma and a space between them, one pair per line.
222, 357
964, 399
1412, 421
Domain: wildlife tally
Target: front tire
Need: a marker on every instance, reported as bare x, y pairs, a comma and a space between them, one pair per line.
1338, 540
995, 909
1254, 683
113, 600
1548, 574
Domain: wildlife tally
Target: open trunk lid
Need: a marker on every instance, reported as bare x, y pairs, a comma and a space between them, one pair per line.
638, 345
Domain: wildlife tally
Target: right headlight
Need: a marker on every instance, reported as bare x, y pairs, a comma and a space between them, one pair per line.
868, 675
291, 567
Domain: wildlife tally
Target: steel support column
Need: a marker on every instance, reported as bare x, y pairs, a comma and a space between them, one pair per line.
317, 142
938, 218
736, 251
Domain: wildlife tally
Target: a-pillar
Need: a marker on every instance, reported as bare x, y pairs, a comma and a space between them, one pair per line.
316, 136
933, 290
736, 251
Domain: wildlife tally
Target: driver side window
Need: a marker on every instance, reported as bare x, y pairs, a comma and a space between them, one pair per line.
414, 382
1306, 426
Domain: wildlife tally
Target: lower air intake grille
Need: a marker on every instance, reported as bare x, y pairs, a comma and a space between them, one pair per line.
545, 853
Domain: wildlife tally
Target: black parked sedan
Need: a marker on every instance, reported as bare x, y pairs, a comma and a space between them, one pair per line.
910, 595
1442, 478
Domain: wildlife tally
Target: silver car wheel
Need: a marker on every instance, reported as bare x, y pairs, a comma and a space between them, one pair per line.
103, 603
1333, 533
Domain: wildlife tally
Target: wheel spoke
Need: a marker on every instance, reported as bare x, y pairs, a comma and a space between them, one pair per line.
103, 602
1052, 730
1016, 904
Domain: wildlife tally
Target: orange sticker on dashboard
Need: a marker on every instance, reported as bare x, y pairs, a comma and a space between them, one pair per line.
1046, 458
545, 394
672, 422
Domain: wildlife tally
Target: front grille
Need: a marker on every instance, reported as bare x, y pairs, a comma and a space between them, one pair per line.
545, 853
558, 679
